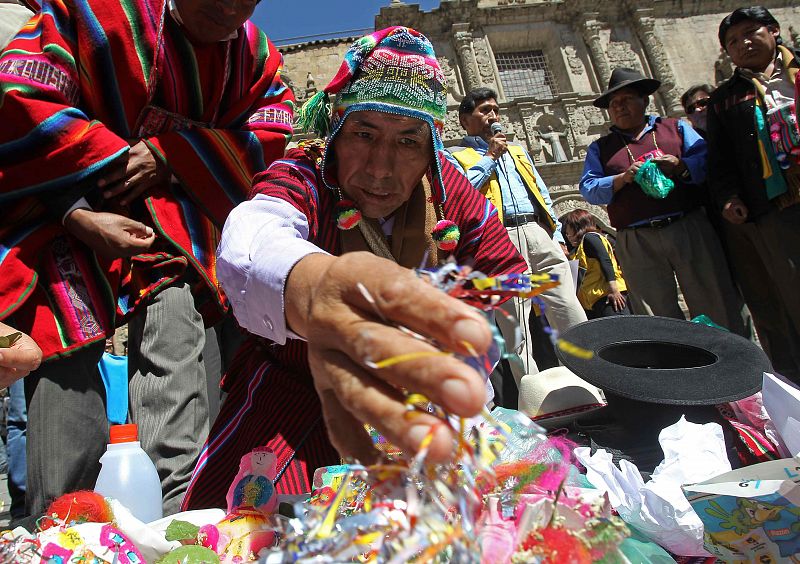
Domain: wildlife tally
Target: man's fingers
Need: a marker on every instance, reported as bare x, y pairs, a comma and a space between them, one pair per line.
137, 229
370, 400
398, 296
115, 189
346, 433
24, 358
136, 189
113, 176
406, 362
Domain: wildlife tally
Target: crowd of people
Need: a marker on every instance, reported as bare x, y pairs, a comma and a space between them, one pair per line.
145, 180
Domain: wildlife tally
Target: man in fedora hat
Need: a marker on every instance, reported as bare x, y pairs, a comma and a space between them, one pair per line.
659, 238
754, 182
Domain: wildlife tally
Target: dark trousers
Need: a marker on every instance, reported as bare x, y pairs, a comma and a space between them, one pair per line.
67, 427
765, 256
167, 389
602, 308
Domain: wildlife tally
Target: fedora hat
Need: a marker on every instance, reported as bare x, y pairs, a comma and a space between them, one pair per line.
622, 77
557, 395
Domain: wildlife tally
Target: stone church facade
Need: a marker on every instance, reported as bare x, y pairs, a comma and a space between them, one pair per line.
548, 59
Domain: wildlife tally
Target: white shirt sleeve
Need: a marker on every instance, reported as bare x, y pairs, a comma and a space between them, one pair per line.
262, 240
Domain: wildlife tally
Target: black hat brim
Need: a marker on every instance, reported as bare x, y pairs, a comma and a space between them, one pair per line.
645, 86
666, 361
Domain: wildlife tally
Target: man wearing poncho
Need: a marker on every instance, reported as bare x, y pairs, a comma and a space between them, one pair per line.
130, 130
288, 259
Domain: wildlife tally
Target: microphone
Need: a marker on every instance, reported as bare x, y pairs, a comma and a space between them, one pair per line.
496, 128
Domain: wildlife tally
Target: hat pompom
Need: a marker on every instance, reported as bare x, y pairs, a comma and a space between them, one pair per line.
446, 235
347, 214
315, 114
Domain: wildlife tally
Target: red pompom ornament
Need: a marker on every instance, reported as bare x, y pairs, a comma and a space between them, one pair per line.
78, 507
347, 214
446, 235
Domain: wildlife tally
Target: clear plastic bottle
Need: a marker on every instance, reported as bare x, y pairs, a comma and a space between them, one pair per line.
129, 476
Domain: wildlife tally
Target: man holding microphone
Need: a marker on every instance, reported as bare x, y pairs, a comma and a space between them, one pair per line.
505, 174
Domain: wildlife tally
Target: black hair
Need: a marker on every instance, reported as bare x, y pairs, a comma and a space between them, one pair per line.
475, 97
755, 13
686, 96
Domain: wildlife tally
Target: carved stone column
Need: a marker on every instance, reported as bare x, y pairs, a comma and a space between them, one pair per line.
590, 29
528, 116
463, 40
659, 62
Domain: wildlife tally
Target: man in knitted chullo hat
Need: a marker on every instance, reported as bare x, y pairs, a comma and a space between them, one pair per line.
289, 260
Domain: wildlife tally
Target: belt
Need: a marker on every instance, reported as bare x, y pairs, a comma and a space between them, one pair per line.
657, 223
520, 219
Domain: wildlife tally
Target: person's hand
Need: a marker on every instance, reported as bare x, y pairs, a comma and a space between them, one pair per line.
626, 177
132, 178
735, 211
564, 249
615, 298
670, 165
18, 360
498, 145
109, 234
343, 330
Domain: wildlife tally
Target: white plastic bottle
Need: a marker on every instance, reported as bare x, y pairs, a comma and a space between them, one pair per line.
129, 476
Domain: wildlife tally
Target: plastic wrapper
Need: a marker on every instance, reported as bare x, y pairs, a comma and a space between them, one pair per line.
652, 181
658, 509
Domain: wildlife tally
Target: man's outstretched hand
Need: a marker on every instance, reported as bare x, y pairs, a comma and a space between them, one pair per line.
325, 306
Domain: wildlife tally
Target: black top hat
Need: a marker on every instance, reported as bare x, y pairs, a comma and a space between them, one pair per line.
655, 369
622, 77
666, 361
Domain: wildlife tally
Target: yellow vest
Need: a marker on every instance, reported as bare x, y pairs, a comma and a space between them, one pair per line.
594, 285
467, 157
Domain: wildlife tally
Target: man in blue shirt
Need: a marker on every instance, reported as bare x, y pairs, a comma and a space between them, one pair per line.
505, 174
659, 239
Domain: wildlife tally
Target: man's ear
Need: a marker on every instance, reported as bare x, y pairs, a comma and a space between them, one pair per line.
461, 121
775, 30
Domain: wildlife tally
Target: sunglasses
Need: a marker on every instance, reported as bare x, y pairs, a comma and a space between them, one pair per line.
692, 108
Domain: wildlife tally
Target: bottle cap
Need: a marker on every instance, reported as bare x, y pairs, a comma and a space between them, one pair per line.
124, 433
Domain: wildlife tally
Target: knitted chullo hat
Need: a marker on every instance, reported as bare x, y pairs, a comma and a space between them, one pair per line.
393, 70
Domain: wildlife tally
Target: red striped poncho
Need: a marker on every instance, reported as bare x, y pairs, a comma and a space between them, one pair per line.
79, 82
271, 398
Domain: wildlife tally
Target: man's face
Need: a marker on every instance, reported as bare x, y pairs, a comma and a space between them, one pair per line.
380, 158
208, 21
751, 45
626, 108
480, 121
696, 107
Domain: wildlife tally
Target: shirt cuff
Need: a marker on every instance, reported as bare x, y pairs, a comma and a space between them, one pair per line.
262, 241
81, 204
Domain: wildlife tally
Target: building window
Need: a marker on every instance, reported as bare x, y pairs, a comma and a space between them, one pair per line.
526, 73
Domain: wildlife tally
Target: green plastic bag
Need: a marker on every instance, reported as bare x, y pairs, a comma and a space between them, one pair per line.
653, 181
